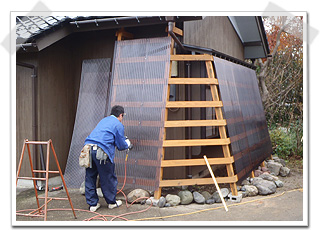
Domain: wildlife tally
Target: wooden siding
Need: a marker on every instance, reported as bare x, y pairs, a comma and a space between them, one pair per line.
59, 74
24, 108
216, 33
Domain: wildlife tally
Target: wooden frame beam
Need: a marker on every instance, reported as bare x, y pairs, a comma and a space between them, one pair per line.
194, 104
195, 142
194, 123
196, 162
197, 181
192, 81
189, 57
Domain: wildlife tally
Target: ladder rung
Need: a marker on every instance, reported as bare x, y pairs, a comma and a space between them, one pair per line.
197, 181
194, 123
31, 215
196, 162
193, 104
190, 57
43, 171
38, 142
54, 198
195, 142
193, 81
31, 178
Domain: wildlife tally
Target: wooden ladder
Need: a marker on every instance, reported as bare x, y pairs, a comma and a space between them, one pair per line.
38, 212
223, 141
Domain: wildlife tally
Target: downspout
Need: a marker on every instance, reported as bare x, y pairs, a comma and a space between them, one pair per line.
34, 107
172, 34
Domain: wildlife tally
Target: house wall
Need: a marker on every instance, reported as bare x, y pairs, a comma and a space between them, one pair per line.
24, 108
216, 33
59, 74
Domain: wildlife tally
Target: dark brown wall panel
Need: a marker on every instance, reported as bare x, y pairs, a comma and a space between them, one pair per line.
140, 81
243, 110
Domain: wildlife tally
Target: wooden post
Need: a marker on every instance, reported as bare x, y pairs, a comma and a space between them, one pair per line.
222, 129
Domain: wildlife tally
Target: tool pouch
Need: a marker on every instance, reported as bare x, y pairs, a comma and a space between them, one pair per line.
84, 158
101, 155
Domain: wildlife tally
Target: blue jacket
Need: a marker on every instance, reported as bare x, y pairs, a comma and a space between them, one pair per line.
108, 134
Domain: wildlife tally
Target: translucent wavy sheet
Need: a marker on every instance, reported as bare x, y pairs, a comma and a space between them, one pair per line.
139, 83
243, 110
92, 102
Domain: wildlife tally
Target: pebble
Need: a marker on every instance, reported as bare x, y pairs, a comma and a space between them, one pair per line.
186, 197
224, 191
274, 167
250, 190
137, 193
279, 183
264, 187
210, 201
173, 200
284, 171
198, 198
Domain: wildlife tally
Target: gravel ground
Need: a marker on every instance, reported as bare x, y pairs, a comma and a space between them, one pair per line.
285, 205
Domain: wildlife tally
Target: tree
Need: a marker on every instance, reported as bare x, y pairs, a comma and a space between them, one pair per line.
280, 76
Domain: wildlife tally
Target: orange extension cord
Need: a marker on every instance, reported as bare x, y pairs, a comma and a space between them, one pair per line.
99, 216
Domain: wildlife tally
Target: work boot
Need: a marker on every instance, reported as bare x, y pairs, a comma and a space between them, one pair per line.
116, 205
94, 208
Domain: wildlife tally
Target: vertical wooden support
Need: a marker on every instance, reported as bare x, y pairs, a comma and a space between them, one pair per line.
222, 129
123, 34
157, 193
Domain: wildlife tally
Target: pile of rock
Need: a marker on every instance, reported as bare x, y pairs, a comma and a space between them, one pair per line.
185, 197
265, 182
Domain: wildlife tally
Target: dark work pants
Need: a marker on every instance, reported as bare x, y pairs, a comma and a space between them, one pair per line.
108, 181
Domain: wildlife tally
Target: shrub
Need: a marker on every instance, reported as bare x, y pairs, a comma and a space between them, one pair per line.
283, 142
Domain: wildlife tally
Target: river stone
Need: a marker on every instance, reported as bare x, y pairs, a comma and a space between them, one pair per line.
279, 160
162, 202
210, 201
186, 197
198, 198
257, 173
274, 167
264, 187
284, 171
250, 190
269, 177
206, 195
137, 193
224, 191
245, 182
173, 200
279, 183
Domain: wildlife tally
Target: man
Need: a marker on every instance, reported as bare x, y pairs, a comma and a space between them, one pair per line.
108, 134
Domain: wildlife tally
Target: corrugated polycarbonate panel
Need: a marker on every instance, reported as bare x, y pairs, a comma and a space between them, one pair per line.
139, 83
92, 102
243, 110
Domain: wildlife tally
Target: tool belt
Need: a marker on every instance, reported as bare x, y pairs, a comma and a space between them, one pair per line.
85, 158
101, 155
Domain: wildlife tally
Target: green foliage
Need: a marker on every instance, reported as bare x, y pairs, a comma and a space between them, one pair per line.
286, 142
282, 76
